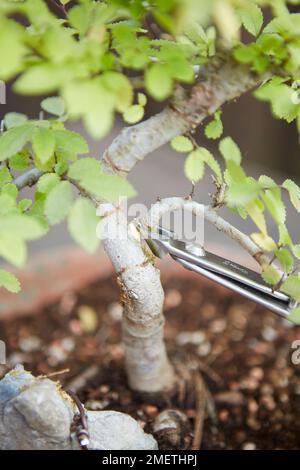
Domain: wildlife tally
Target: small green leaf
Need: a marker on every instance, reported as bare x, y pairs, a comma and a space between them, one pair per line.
19, 161
84, 167
291, 287
82, 223
158, 81
182, 144
294, 193
107, 186
275, 205
270, 275
133, 114
43, 144
13, 140
294, 316
264, 241
13, 249
194, 166
27, 227
5, 176
214, 129
14, 119
230, 150
53, 105
142, 99
47, 182
243, 192
9, 281
58, 202
70, 143
285, 258
252, 18
266, 182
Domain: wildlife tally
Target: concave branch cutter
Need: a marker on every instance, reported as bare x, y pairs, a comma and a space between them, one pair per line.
238, 278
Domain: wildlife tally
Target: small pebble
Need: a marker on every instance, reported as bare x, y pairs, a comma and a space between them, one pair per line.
88, 318
173, 298
257, 373
150, 410
269, 334
68, 344
115, 311
204, 349
218, 326
190, 337
249, 446
30, 344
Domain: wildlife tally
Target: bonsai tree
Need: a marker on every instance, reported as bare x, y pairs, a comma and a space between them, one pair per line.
98, 58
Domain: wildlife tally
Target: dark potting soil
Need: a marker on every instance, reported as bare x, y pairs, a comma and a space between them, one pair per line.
244, 353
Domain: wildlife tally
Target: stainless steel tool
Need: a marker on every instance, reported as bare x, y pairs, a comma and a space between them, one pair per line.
239, 279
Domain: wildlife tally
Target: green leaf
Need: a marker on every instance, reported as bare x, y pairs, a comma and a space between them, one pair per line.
291, 287
133, 114
13, 249
294, 193
27, 227
13, 140
19, 161
274, 204
266, 182
256, 212
9, 281
142, 99
107, 186
252, 18
182, 144
270, 275
58, 202
53, 105
82, 223
209, 159
214, 129
158, 81
230, 150
43, 144
294, 316
14, 119
70, 143
242, 192
285, 258
84, 167
264, 241
194, 166
5, 176
24, 204
47, 182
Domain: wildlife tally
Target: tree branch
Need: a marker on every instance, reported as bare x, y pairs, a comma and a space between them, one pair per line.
220, 81
29, 178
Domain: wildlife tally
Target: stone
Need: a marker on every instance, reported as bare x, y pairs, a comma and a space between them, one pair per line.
36, 413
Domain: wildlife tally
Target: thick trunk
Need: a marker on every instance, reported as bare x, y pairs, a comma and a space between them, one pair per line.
148, 368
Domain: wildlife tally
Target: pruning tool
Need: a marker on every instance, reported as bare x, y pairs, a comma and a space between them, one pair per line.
229, 274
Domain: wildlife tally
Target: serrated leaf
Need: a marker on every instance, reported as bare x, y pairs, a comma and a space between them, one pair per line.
70, 143
257, 215
296, 250
284, 236
107, 186
5, 176
230, 150
194, 166
82, 223
264, 241
291, 287
182, 144
43, 144
133, 114
9, 281
13, 249
47, 182
214, 129
58, 202
274, 204
13, 140
294, 193
243, 192
19, 161
54, 105
270, 275
84, 167
266, 182
294, 316
285, 258
158, 81
14, 119
252, 18
27, 227
209, 159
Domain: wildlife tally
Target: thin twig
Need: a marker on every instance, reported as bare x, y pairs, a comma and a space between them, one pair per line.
201, 398
83, 431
